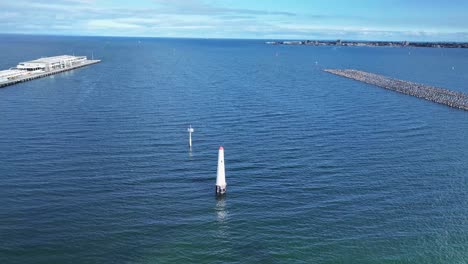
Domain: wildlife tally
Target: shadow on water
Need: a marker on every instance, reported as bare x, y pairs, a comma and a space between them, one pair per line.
222, 217
221, 212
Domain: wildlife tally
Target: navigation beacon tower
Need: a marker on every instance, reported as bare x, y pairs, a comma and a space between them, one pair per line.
221, 174
190, 131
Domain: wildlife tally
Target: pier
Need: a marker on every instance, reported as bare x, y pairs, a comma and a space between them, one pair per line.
31, 70
438, 95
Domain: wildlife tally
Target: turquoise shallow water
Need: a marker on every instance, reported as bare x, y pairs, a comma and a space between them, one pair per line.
95, 166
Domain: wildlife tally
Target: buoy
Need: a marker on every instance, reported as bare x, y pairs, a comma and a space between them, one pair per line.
221, 174
190, 130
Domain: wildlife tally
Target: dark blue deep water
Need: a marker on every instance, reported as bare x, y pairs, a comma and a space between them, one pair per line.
95, 165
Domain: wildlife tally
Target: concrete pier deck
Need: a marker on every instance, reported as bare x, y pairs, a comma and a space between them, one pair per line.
438, 95
46, 73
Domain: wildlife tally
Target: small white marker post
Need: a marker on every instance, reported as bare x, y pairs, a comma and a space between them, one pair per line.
221, 174
190, 130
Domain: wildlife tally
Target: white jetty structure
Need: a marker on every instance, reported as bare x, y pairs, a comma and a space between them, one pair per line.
190, 131
29, 70
221, 174
52, 63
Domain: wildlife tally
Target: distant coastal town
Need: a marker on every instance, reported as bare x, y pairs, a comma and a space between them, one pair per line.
372, 43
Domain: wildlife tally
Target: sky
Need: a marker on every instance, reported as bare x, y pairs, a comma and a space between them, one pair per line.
412, 20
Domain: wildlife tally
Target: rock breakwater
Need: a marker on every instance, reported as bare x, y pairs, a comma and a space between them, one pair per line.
438, 95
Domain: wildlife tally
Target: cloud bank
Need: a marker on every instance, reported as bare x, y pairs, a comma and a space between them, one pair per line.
203, 19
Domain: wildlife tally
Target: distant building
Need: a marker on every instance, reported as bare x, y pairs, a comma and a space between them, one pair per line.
8, 75
51, 63
292, 42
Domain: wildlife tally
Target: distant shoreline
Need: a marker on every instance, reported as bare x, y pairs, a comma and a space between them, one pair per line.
278, 41
462, 45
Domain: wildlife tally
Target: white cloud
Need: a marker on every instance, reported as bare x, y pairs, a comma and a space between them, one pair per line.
197, 18
110, 24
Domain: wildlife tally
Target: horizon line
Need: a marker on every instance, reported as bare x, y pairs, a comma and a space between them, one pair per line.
225, 38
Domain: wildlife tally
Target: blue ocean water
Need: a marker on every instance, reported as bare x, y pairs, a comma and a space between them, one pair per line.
95, 165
